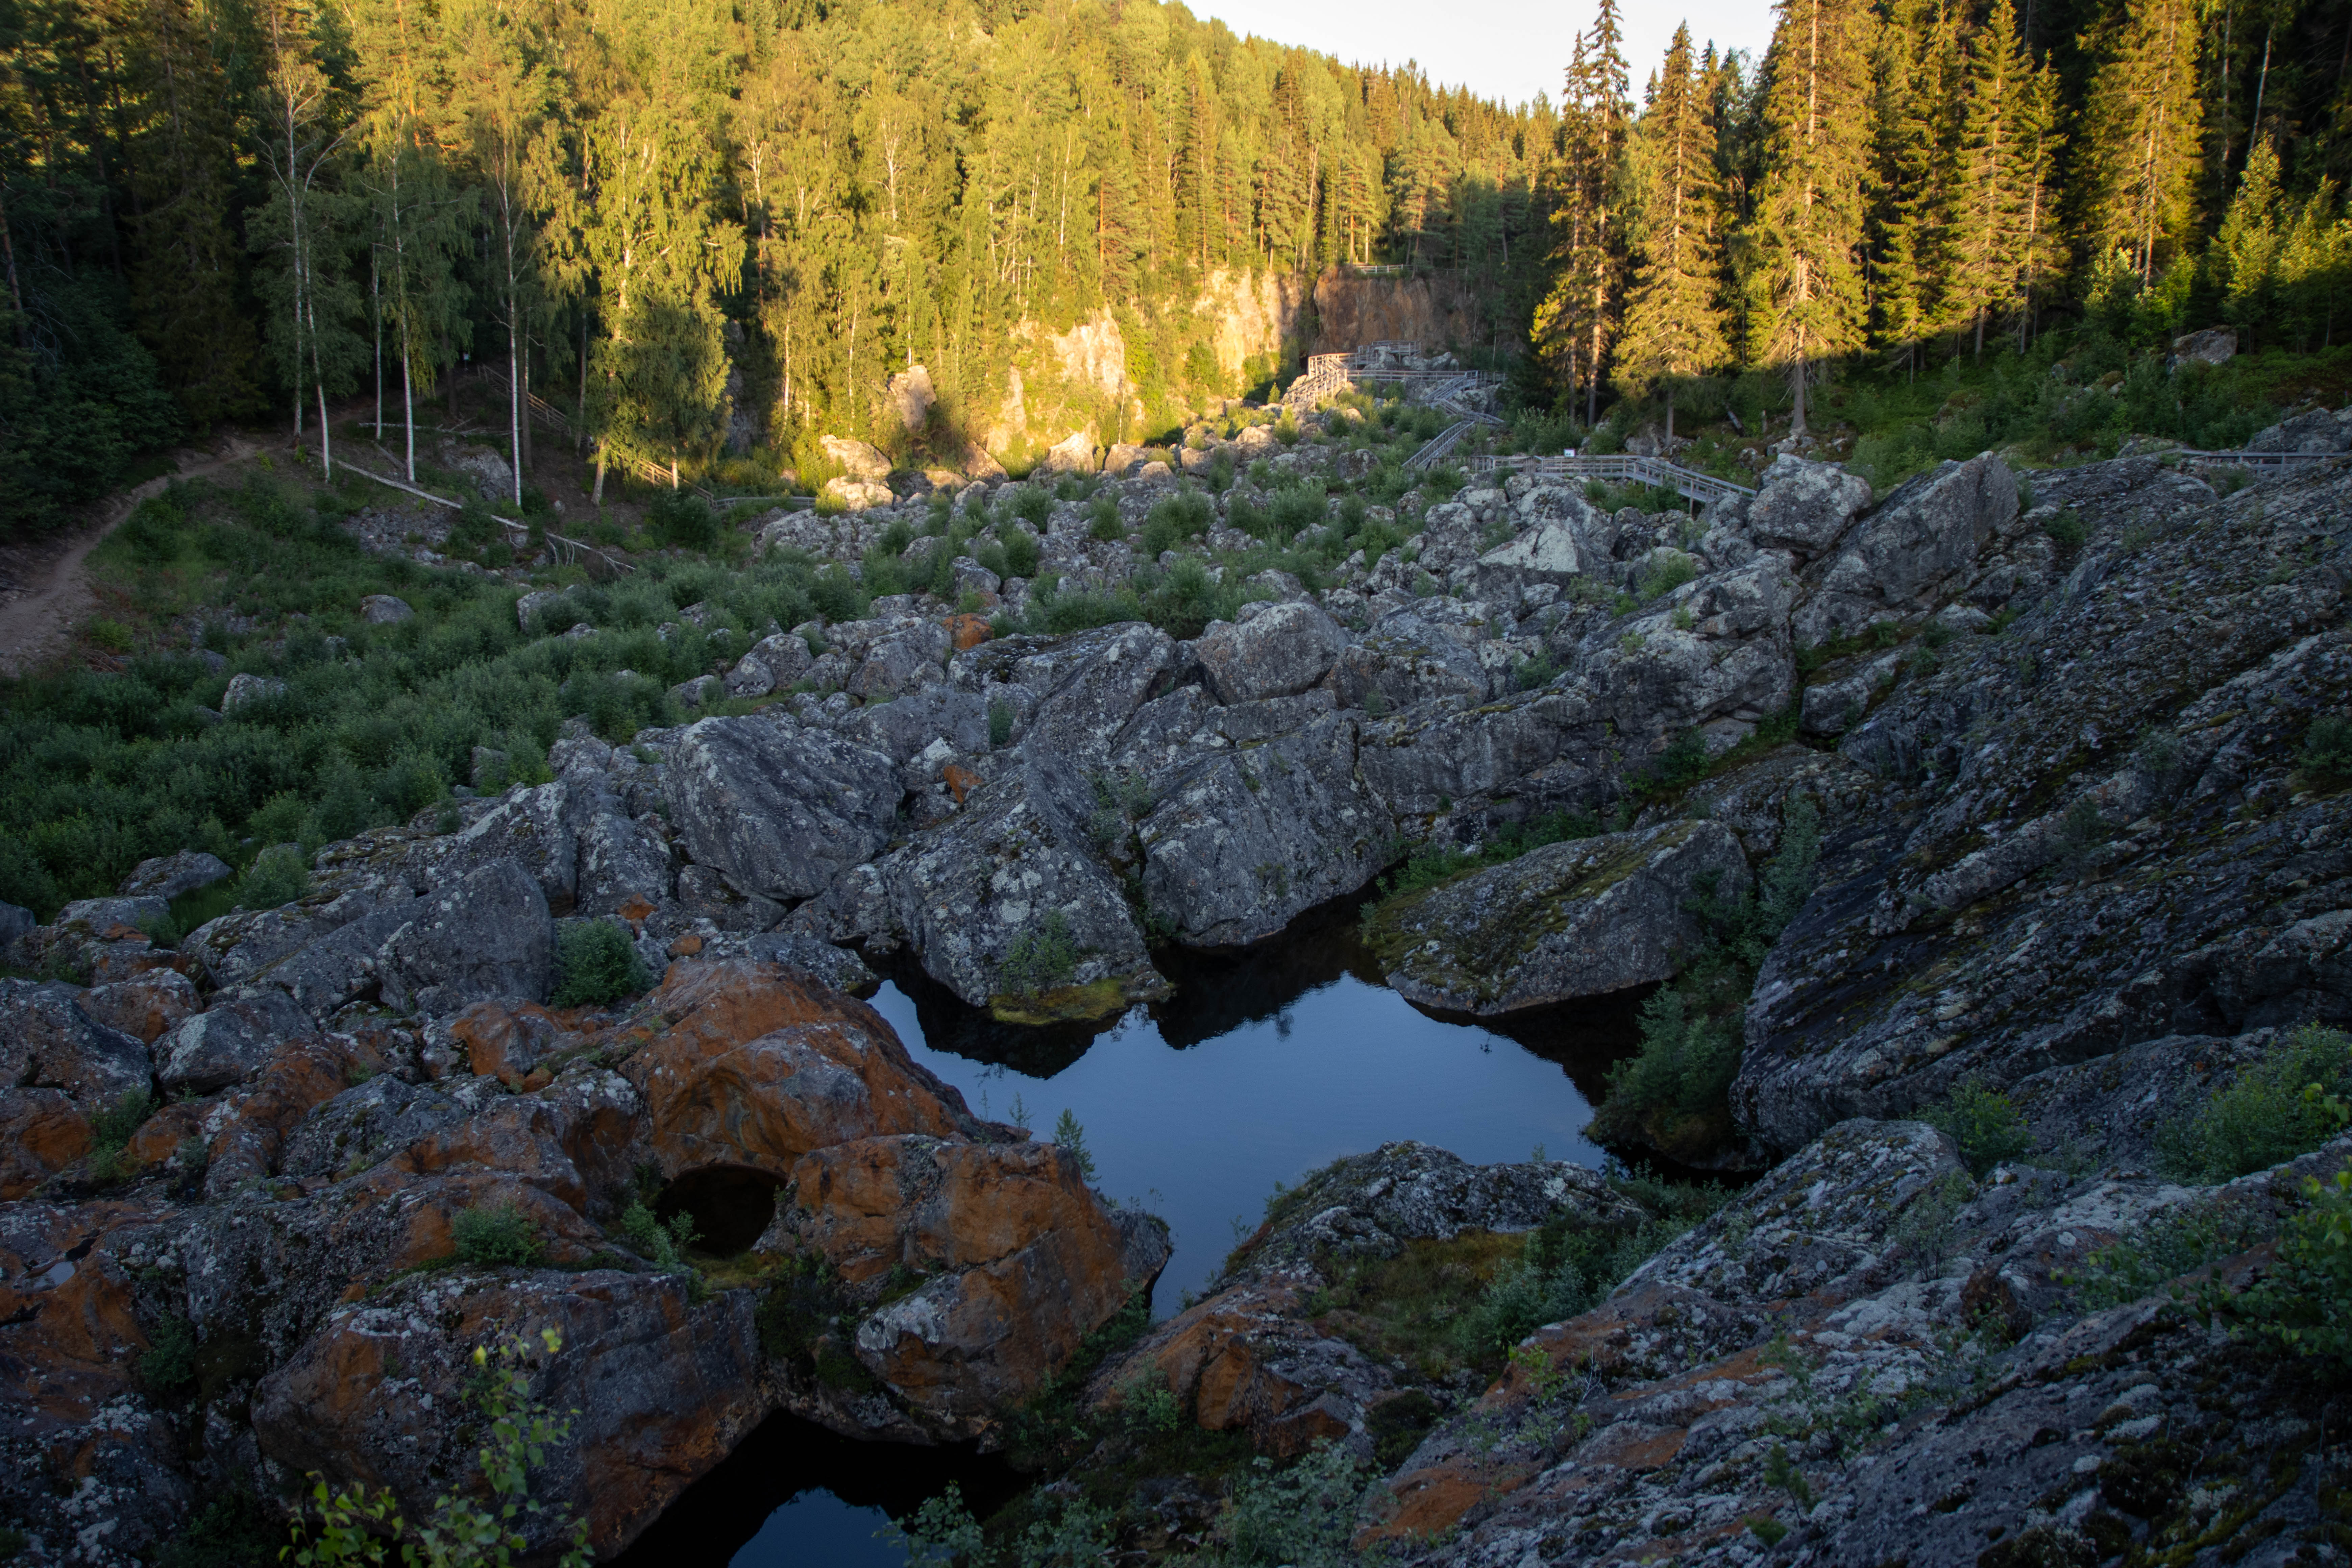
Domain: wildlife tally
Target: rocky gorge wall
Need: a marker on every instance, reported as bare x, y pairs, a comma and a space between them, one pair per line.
2071, 851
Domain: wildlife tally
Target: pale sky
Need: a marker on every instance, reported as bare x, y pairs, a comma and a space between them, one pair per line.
1504, 49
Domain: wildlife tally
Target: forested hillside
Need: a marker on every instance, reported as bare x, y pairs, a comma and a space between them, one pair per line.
696, 226
246, 202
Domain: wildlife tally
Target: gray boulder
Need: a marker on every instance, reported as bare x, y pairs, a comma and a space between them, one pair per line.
622, 860
1805, 506
48, 1041
489, 936
696, 691
838, 967
15, 921
1833, 707
367, 1125
1015, 872
1243, 841
904, 729
779, 807
1087, 686
1580, 919
912, 655
535, 825
773, 664
2317, 431
706, 895
169, 876
384, 610
249, 688
229, 1041
339, 967
1277, 651
97, 917
1917, 549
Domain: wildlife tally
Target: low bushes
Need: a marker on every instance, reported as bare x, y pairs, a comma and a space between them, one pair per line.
596, 963
2264, 1115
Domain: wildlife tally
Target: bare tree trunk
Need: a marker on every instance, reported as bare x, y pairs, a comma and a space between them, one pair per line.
597, 499
408, 407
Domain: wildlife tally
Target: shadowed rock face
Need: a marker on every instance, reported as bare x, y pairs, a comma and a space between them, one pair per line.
1579, 919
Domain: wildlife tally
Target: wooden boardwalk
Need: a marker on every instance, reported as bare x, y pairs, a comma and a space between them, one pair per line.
1620, 468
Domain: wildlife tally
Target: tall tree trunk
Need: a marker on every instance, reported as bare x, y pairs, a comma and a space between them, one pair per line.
408, 407
375, 288
598, 498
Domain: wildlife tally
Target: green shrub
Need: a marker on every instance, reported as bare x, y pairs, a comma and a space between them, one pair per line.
1020, 548
1041, 958
2304, 1306
1983, 1122
2066, 531
1174, 519
168, 1363
2263, 1117
1031, 501
1302, 1517
2328, 745
114, 1127
2175, 1243
278, 875
339, 1528
682, 520
663, 1246
1665, 572
596, 963
499, 1235
1000, 723
1103, 523
1072, 1137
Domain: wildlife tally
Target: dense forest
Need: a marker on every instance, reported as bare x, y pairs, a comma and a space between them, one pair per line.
689, 222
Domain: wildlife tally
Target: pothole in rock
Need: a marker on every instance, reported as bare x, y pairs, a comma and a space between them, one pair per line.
730, 1206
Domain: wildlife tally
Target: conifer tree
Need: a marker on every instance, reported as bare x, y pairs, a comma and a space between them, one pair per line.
2001, 166
2141, 134
1674, 323
2245, 253
1807, 305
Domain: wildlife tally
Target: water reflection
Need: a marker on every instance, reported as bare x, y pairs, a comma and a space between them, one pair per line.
1266, 1063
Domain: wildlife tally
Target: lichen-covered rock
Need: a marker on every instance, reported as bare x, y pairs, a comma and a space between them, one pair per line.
230, 1041
488, 935
755, 1066
1576, 919
1023, 1262
41, 1132
1919, 547
778, 806
538, 827
1015, 875
2100, 844
658, 1389
146, 1006
1279, 650
772, 664
169, 876
1805, 506
48, 1041
1240, 842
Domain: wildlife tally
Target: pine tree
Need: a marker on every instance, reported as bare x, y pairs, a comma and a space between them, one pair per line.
1674, 323
2000, 171
2141, 121
1807, 306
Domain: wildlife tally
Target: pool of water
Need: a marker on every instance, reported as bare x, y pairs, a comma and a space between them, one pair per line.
1265, 1064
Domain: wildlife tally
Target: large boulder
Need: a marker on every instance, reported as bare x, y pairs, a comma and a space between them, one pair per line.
538, 827
1279, 650
1577, 918
48, 1041
2316, 431
1085, 688
489, 936
757, 1064
657, 1387
146, 1006
1805, 506
779, 807
856, 458
772, 664
230, 1041
1243, 841
1917, 549
169, 876
1023, 1261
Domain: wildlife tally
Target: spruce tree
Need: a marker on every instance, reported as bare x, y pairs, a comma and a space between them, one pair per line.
2000, 168
2245, 253
1674, 321
2141, 134
1807, 302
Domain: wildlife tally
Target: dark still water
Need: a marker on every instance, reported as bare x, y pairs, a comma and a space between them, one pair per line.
1265, 1064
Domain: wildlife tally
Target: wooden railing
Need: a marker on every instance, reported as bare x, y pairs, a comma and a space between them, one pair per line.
563, 548
2251, 459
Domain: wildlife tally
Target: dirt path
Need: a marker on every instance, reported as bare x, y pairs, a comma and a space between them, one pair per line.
38, 622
